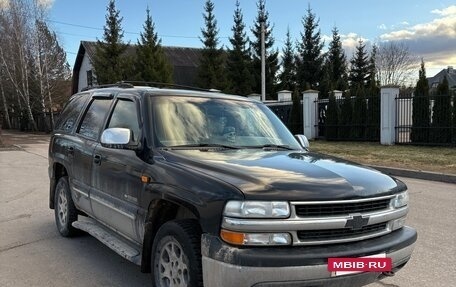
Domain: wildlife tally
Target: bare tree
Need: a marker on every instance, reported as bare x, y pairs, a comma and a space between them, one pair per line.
15, 51
395, 64
32, 62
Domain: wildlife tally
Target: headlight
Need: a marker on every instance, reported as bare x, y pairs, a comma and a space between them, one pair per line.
401, 199
255, 239
257, 209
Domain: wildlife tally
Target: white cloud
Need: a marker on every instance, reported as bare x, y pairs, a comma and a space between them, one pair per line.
434, 40
382, 27
326, 38
405, 23
448, 11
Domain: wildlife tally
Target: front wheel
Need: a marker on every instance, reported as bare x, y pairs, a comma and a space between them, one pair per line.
176, 255
65, 211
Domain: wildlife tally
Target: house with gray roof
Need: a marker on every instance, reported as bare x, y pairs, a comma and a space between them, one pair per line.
449, 72
185, 62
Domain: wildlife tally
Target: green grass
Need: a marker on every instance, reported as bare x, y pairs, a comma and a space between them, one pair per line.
436, 159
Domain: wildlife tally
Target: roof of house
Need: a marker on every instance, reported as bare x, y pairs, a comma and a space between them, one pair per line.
185, 61
449, 72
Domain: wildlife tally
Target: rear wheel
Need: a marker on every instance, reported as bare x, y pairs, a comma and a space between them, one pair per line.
65, 211
176, 255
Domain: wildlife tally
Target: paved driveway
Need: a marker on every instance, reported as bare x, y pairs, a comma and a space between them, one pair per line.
33, 254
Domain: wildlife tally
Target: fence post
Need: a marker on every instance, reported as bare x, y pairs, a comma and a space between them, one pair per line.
255, 97
337, 94
309, 110
284, 96
388, 114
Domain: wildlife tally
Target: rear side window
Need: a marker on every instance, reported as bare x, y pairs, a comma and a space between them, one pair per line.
93, 119
125, 115
69, 116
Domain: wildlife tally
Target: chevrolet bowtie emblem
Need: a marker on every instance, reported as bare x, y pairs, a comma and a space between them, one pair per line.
357, 222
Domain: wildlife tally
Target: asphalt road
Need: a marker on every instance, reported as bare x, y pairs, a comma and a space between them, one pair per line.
33, 254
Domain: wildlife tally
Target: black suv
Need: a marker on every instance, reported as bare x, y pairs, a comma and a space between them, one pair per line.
202, 188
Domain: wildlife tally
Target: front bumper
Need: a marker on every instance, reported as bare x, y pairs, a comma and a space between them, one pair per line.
228, 266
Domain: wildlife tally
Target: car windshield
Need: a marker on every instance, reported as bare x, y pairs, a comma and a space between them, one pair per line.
199, 121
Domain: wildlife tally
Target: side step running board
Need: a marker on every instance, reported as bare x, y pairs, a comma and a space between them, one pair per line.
107, 237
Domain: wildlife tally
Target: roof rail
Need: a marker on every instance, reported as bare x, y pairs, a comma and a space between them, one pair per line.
167, 85
118, 85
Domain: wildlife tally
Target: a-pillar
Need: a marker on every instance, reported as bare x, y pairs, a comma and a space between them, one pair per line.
309, 113
388, 114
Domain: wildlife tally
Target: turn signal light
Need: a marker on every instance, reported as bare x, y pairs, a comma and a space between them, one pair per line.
232, 237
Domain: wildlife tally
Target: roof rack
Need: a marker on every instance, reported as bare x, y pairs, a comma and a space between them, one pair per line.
167, 85
118, 85
131, 84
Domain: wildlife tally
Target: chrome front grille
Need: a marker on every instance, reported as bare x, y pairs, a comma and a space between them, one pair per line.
341, 208
328, 222
331, 234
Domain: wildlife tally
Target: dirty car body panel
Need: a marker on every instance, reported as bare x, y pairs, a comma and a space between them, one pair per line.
194, 153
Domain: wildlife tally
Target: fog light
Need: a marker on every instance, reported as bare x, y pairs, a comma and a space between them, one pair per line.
398, 223
255, 239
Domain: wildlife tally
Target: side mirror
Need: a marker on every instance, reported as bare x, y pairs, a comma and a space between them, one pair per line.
119, 138
303, 141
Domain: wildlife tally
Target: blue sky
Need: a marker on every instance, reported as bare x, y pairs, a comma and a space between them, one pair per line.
427, 27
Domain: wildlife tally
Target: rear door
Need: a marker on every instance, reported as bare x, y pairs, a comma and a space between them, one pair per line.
82, 148
117, 177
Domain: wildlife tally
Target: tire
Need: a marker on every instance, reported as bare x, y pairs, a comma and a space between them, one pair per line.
176, 255
64, 210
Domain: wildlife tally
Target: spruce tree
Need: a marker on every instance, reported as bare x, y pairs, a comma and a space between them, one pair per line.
326, 85
421, 110
288, 75
211, 72
337, 62
239, 64
271, 56
109, 63
359, 113
309, 61
150, 61
332, 118
454, 118
359, 69
296, 113
373, 100
441, 114
346, 116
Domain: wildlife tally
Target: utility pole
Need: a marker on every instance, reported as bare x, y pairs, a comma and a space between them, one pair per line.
263, 65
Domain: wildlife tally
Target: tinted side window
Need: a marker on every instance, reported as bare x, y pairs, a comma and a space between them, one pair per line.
70, 113
125, 115
92, 122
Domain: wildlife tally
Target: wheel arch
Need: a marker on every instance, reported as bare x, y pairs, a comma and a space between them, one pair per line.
58, 170
159, 212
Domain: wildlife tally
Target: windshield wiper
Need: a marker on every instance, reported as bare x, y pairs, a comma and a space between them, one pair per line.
271, 146
201, 145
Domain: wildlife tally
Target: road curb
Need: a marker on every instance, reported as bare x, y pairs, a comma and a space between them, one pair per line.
426, 175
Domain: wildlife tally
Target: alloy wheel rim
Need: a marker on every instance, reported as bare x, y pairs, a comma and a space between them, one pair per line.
62, 207
171, 264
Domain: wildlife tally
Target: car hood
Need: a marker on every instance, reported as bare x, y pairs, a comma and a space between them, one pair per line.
287, 175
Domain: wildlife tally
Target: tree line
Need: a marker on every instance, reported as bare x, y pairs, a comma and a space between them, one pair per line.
34, 73
236, 68
434, 112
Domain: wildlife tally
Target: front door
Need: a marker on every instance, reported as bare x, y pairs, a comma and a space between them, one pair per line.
82, 148
117, 176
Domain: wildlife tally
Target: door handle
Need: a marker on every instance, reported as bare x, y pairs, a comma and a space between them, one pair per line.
97, 159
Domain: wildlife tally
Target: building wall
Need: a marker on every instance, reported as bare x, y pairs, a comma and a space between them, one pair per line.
86, 65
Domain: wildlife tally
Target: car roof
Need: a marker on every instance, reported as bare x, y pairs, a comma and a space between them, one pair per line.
153, 91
